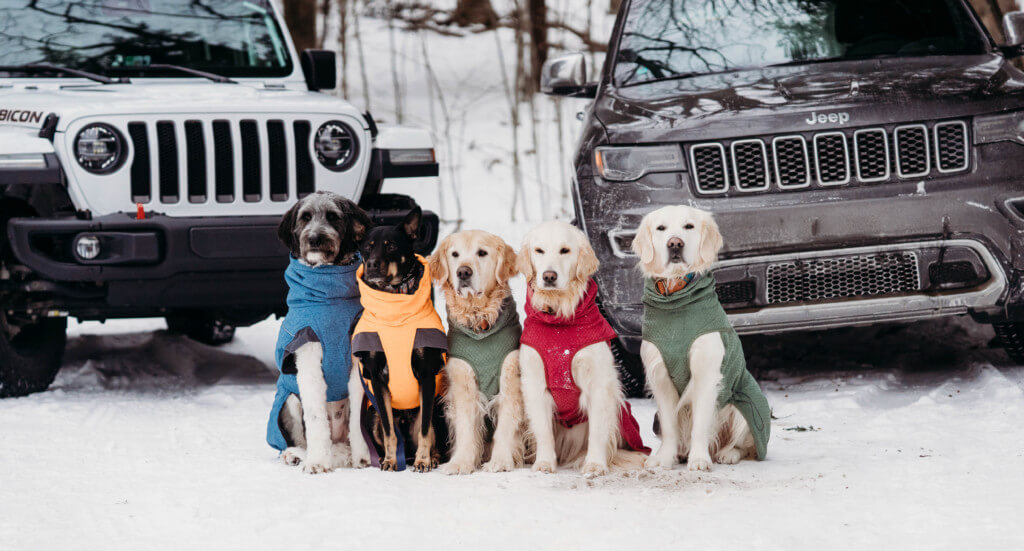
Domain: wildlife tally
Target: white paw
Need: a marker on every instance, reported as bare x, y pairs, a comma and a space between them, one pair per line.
293, 456
699, 463
340, 456
593, 470
361, 462
544, 466
660, 461
499, 465
730, 456
316, 466
458, 466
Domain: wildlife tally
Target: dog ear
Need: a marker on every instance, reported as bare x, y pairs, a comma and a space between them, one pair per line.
587, 263
286, 230
506, 268
710, 244
643, 242
437, 262
523, 263
359, 221
411, 223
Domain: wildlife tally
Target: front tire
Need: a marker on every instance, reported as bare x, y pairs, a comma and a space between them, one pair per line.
1011, 338
30, 354
201, 327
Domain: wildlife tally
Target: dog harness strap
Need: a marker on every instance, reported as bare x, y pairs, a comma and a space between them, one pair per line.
322, 304
673, 322
485, 351
397, 324
557, 340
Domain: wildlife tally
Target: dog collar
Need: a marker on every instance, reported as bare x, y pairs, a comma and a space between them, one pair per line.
667, 287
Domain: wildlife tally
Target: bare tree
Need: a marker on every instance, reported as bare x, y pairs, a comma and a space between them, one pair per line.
537, 11
300, 16
474, 12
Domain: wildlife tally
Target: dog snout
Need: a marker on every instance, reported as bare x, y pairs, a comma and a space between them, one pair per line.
316, 240
372, 264
675, 244
550, 277
464, 273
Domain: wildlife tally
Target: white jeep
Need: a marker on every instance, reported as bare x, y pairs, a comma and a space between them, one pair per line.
147, 151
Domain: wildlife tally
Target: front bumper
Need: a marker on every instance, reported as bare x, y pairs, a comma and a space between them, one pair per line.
162, 263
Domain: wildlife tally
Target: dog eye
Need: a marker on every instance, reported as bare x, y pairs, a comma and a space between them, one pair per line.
660, 228
306, 217
688, 227
391, 246
332, 216
564, 251
455, 254
539, 251
481, 253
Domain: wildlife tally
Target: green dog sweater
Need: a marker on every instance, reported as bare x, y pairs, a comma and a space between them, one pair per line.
672, 322
486, 350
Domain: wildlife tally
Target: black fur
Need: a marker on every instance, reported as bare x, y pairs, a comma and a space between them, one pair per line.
349, 222
391, 245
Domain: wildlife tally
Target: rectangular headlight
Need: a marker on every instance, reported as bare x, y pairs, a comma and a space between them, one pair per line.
1006, 127
623, 164
411, 156
22, 161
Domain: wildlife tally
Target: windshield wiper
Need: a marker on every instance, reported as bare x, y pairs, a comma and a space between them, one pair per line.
196, 72
48, 68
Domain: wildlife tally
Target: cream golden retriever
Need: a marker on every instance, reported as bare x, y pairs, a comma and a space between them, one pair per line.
558, 261
473, 268
671, 243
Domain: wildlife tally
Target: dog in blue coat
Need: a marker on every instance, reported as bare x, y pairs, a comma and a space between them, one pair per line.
309, 419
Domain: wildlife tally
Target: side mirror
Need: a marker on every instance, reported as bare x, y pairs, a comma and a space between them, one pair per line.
566, 76
1013, 28
320, 69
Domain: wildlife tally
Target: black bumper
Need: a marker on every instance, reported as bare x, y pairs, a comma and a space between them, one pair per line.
163, 263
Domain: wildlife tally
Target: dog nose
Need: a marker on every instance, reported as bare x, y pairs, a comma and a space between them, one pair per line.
549, 277
315, 240
464, 273
675, 244
372, 264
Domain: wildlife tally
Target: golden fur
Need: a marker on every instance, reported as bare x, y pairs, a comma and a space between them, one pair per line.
561, 302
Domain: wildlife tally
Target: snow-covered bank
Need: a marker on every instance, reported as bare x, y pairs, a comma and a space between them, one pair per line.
137, 447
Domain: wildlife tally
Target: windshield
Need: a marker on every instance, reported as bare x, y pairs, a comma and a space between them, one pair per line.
124, 37
664, 39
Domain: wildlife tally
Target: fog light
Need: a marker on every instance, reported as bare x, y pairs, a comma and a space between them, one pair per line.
87, 247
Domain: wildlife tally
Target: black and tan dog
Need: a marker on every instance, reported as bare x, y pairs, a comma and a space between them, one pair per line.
400, 346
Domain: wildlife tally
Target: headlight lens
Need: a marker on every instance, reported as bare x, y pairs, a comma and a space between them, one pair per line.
1007, 127
622, 164
99, 148
336, 145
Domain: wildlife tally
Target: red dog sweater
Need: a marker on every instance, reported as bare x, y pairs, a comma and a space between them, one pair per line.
557, 340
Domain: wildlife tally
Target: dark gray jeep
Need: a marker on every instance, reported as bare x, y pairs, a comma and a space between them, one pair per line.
864, 158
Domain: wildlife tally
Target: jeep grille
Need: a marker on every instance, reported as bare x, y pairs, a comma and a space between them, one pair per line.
183, 144
832, 158
843, 277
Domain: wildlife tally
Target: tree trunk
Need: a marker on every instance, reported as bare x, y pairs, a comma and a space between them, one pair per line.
613, 6
300, 15
538, 21
474, 12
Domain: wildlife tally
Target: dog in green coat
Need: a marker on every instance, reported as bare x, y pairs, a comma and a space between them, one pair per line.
709, 405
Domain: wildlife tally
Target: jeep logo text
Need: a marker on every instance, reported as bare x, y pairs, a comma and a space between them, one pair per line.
17, 115
822, 118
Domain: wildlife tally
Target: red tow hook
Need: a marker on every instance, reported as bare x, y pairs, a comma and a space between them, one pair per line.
140, 212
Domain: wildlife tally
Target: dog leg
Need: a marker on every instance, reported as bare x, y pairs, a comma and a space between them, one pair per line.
508, 449
313, 393
291, 425
465, 415
357, 443
426, 364
601, 399
375, 366
736, 441
706, 356
293, 455
667, 399
540, 409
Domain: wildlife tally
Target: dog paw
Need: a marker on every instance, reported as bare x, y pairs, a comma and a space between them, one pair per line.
699, 463
498, 465
544, 466
730, 456
388, 465
593, 470
660, 461
458, 467
423, 466
293, 456
360, 460
315, 467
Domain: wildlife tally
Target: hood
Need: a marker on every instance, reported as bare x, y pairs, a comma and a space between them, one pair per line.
39, 98
773, 100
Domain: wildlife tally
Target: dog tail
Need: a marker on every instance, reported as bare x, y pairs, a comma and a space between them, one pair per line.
627, 460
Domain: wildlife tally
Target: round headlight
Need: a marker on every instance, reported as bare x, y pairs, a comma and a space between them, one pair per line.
336, 145
99, 148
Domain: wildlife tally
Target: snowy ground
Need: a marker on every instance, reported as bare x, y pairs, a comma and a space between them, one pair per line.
899, 438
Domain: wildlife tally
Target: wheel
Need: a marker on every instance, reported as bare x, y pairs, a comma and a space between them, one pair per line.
1011, 338
631, 370
30, 354
202, 327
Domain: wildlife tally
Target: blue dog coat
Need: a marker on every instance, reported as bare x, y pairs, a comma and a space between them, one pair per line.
323, 305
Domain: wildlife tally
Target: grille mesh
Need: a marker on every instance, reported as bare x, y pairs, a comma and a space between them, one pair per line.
709, 167
750, 165
278, 158
736, 292
830, 151
872, 155
912, 151
251, 190
843, 277
951, 140
195, 149
141, 183
304, 184
791, 162
167, 159
224, 161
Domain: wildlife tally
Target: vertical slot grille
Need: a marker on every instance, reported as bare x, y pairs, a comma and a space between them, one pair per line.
708, 161
304, 178
951, 146
250, 161
750, 165
792, 164
278, 161
832, 158
195, 148
224, 162
141, 186
167, 159
871, 153
912, 156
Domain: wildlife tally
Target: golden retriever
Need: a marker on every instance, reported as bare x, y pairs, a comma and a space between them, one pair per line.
473, 268
671, 243
558, 261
